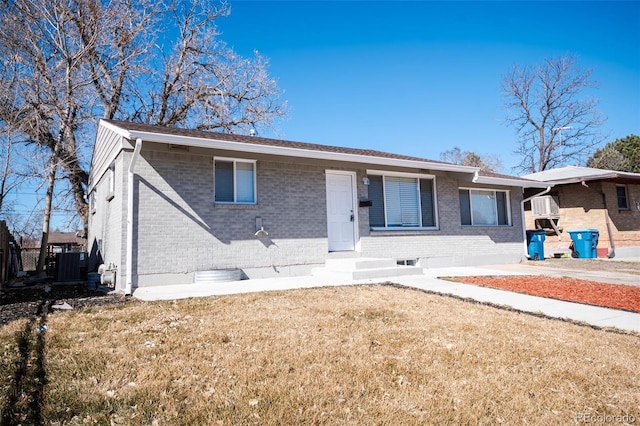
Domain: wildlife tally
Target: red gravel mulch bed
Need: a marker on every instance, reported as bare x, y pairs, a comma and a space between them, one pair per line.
614, 296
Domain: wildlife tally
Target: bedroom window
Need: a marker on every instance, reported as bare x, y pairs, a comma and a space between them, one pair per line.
235, 181
623, 198
484, 207
400, 202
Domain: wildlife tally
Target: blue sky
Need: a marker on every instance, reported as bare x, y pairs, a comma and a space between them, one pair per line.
420, 77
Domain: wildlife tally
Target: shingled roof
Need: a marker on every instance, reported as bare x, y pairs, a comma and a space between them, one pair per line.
157, 133
257, 140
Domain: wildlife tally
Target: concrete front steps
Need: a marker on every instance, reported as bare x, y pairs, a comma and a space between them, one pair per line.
363, 268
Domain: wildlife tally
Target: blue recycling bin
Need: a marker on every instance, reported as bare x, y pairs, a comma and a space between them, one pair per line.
535, 244
584, 243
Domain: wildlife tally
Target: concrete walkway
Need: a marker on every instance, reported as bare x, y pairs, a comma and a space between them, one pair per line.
430, 281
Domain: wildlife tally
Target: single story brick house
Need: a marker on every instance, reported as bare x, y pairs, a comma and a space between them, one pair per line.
167, 203
588, 198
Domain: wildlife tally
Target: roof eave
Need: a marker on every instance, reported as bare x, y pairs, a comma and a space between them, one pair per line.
581, 179
487, 180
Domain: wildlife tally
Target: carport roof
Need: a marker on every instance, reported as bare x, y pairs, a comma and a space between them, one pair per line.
576, 174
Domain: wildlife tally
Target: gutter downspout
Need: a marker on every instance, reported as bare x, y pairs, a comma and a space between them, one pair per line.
524, 225
129, 269
611, 253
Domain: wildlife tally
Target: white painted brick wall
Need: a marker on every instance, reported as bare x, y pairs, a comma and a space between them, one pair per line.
180, 230
107, 222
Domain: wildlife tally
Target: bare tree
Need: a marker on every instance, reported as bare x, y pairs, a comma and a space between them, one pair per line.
36, 176
555, 121
469, 158
44, 241
203, 84
5, 186
71, 62
16, 173
10, 176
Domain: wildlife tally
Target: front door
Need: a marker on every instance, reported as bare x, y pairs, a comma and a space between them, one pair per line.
341, 214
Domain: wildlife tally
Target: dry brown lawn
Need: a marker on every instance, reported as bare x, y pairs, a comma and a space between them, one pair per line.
349, 355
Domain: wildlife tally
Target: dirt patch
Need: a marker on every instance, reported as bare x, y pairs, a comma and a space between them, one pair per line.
614, 296
30, 301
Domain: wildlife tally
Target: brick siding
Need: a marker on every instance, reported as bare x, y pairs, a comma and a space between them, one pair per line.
582, 207
181, 229
452, 244
178, 229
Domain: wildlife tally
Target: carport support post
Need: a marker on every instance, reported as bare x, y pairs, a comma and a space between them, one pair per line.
130, 188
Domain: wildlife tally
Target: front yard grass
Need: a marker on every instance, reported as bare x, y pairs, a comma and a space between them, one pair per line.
346, 355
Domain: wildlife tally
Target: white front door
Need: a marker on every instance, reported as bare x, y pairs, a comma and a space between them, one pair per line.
341, 212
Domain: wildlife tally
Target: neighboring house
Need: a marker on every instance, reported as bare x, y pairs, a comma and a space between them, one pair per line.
166, 203
66, 242
586, 198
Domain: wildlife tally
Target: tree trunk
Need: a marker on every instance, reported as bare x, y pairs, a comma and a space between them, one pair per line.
44, 244
78, 181
5, 172
67, 158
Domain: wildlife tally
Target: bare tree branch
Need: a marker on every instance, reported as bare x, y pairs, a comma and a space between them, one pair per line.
487, 162
71, 62
555, 122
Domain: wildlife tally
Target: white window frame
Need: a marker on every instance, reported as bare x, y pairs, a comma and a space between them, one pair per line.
626, 197
92, 202
417, 177
111, 182
235, 180
494, 191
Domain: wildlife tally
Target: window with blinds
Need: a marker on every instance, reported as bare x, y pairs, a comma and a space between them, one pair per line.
401, 202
